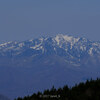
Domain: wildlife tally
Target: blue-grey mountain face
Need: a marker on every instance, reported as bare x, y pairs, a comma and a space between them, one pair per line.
37, 64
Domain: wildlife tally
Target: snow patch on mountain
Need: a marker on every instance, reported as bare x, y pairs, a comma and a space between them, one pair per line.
5, 44
65, 39
21, 44
90, 51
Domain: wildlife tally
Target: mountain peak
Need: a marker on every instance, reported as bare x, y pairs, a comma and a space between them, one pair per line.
67, 44
66, 38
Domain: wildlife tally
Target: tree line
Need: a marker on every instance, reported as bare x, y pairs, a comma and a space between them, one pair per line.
90, 90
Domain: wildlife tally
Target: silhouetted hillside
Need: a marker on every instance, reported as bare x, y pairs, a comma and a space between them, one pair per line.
83, 91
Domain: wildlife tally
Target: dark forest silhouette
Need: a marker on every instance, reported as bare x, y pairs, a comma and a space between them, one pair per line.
90, 90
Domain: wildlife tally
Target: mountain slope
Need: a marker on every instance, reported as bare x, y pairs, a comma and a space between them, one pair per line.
3, 97
38, 64
70, 48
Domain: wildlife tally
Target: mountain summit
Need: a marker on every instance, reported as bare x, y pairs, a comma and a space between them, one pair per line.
37, 64
73, 50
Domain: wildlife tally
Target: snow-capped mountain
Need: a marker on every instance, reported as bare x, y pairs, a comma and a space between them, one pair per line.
72, 49
37, 64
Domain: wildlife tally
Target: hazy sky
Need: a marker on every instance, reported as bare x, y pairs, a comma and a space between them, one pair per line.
26, 19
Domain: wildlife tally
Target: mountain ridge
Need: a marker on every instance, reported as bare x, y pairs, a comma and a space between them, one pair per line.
38, 64
72, 48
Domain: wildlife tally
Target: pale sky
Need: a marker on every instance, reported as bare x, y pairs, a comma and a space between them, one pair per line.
25, 19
